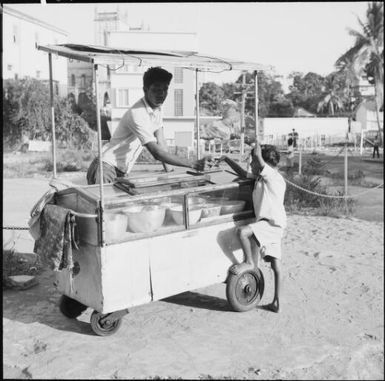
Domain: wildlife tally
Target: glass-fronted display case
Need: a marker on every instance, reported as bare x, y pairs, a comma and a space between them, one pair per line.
143, 207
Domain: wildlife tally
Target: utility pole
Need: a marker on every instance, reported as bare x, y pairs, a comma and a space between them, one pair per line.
243, 113
245, 94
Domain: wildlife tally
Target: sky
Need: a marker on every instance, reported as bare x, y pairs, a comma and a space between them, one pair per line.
290, 36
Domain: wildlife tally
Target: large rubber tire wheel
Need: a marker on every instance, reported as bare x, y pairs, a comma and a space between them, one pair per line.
71, 308
245, 290
104, 329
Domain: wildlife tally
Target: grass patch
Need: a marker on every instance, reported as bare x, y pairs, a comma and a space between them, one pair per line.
30, 164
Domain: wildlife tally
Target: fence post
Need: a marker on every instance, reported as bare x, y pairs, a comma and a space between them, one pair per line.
346, 169
300, 161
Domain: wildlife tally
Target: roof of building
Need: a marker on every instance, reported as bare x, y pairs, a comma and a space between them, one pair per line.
104, 55
23, 16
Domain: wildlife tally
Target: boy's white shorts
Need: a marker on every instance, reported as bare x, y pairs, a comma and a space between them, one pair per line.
269, 237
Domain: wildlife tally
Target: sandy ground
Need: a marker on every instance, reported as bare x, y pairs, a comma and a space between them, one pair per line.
331, 326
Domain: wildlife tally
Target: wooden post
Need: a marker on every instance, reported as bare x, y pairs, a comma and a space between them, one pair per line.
52, 116
242, 150
256, 104
197, 114
346, 170
99, 130
300, 160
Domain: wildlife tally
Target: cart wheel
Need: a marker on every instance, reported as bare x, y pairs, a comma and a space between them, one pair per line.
244, 291
106, 327
71, 308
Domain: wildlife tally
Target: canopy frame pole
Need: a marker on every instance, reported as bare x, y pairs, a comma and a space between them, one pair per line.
197, 113
256, 122
243, 103
51, 95
100, 160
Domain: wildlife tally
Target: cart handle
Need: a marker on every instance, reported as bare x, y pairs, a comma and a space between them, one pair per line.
84, 215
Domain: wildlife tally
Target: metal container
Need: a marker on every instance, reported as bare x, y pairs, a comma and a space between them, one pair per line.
194, 214
232, 206
145, 218
210, 210
116, 224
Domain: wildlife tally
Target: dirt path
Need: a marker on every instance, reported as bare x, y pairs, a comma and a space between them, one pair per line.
331, 326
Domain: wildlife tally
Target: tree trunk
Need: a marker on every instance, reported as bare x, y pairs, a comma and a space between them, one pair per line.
378, 98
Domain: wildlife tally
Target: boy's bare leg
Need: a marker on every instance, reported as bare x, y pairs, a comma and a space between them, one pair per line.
245, 234
276, 267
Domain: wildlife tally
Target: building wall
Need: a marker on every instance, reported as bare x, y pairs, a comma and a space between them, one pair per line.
21, 33
128, 80
368, 118
279, 128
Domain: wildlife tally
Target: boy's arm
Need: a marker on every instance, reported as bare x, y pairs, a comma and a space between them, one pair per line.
233, 165
258, 154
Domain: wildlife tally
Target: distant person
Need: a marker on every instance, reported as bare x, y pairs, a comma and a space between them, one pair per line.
270, 215
376, 145
290, 155
294, 136
141, 126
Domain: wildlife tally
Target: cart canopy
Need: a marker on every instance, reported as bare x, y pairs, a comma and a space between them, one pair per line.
103, 55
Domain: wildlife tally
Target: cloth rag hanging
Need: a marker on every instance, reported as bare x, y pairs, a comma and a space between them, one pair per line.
57, 235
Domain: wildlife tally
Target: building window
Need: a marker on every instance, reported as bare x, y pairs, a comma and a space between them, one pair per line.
9, 67
38, 72
178, 75
73, 80
123, 98
15, 34
83, 81
178, 102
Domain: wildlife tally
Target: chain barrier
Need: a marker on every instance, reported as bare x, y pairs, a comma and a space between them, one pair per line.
329, 195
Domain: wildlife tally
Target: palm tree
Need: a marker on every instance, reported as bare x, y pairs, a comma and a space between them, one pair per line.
332, 97
367, 53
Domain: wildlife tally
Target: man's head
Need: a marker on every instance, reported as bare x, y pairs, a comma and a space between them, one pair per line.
270, 155
155, 85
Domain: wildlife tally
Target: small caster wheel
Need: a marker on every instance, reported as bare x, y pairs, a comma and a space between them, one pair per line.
102, 325
245, 290
71, 308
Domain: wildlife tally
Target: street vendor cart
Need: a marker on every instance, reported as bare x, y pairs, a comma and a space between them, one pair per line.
146, 238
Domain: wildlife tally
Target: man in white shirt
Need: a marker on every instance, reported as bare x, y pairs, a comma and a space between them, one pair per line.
141, 126
270, 216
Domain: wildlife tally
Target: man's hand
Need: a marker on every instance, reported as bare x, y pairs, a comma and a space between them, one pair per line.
203, 164
199, 165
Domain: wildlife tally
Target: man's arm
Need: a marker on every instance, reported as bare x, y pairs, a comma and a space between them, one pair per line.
162, 155
162, 142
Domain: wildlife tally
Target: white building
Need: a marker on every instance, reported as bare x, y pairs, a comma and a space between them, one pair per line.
21, 34
127, 81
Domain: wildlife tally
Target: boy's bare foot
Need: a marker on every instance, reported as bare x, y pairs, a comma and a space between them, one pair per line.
237, 269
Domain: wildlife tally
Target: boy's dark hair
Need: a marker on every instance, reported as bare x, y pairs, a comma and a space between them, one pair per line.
270, 154
156, 74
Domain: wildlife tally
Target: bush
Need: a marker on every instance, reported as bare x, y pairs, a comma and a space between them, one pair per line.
27, 115
297, 199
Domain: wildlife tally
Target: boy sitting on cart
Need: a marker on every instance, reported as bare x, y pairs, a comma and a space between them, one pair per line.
270, 222
141, 126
